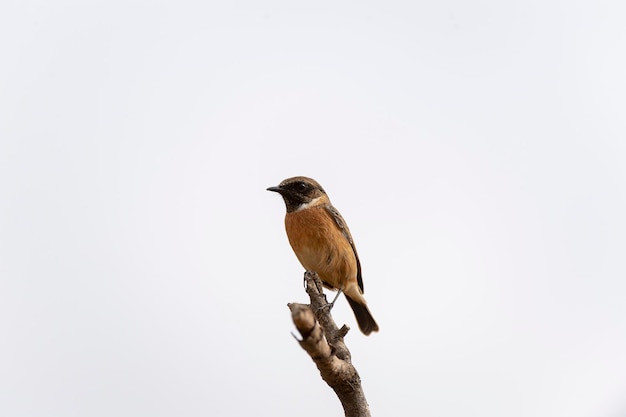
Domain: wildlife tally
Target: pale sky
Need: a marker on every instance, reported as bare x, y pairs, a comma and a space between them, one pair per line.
477, 149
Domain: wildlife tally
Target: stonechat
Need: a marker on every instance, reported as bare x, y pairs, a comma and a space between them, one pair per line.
323, 244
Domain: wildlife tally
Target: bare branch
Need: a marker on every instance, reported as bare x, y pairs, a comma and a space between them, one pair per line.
324, 343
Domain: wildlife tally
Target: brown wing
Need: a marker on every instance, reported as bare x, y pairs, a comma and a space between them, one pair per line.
341, 223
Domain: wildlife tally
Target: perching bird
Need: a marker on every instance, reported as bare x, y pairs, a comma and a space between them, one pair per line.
322, 242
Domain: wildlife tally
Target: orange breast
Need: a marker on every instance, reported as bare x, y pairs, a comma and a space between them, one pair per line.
321, 247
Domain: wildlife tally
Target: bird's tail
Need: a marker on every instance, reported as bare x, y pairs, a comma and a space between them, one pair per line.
367, 324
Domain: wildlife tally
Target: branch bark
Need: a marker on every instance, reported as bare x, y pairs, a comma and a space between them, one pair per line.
324, 343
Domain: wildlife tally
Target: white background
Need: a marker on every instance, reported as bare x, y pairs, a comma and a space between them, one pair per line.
477, 150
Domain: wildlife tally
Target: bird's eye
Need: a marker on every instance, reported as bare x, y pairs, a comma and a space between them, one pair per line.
302, 187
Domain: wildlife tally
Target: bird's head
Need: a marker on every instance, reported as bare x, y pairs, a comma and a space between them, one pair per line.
300, 193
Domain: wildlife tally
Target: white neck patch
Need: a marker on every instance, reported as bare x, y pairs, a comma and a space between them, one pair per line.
309, 204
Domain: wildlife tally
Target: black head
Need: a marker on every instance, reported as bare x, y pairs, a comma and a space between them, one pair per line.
298, 192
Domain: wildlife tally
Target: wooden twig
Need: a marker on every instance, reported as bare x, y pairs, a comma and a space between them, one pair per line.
324, 343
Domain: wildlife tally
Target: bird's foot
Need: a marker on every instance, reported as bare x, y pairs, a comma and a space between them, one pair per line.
332, 303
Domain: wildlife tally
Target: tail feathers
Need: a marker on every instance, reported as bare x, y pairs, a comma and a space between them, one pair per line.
364, 318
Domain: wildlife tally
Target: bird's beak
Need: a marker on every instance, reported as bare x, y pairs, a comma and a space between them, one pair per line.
276, 189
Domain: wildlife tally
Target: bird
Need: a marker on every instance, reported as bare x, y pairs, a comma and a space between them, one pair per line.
322, 242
